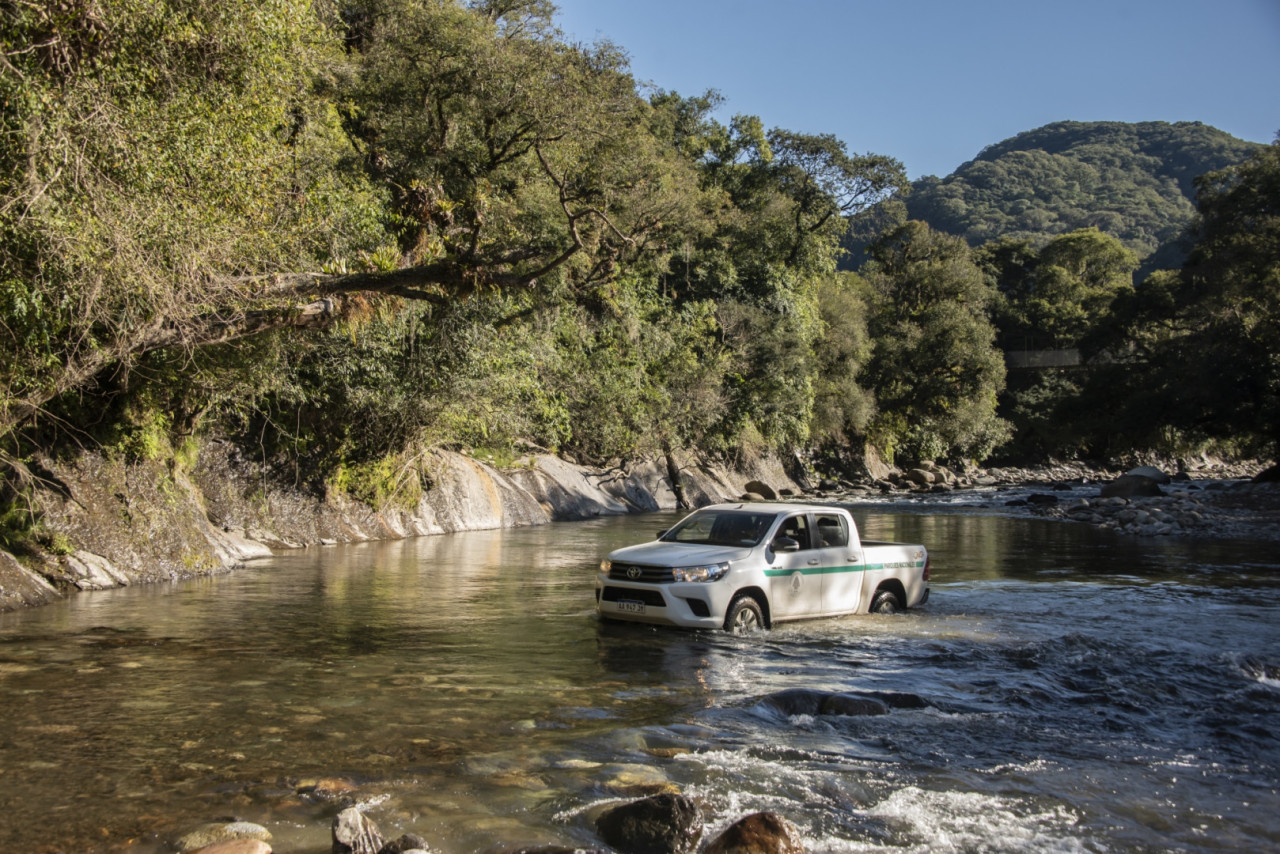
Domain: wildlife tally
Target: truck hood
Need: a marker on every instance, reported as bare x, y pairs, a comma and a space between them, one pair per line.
677, 554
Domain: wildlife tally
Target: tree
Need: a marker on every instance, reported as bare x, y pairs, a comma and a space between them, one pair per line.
935, 369
502, 230
155, 153
1055, 297
780, 202
827, 185
1193, 352
169, 165
843, 407
1077, 277
1227, 311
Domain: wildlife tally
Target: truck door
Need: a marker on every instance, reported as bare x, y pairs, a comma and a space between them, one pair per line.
795, 578
841, 562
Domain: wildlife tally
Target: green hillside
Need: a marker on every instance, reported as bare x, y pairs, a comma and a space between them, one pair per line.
1132, 181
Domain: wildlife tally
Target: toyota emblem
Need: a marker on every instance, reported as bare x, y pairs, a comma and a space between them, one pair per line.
634, 572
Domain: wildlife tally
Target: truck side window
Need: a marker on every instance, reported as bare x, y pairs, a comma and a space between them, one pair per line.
832, 532
797, 528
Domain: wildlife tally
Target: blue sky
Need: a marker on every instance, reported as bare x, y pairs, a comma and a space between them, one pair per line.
932, 82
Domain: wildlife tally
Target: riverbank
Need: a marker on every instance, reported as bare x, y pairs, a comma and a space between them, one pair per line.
104, 523
1209, 500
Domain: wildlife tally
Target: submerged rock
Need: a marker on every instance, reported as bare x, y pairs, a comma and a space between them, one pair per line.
222, 831
637, 780
330, 790
236, 846
808, 701
405, 844
852, 705
795, 701
662, 824
758, 833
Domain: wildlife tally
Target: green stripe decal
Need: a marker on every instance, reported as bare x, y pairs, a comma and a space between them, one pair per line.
831, 570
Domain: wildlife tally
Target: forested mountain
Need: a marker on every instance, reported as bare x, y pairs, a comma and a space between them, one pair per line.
1132, 181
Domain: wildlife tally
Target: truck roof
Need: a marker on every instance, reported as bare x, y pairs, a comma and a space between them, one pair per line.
773, 507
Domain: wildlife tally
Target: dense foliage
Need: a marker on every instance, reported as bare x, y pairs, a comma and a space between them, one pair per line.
347, 232
1196, 352
1185, 360
490, 233
935, 368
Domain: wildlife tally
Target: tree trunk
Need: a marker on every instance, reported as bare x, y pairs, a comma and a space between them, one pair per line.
673, 474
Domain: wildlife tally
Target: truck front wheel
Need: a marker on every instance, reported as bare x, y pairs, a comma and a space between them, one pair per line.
744, 615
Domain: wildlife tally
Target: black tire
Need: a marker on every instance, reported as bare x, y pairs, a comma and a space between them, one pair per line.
886, 602
744, 616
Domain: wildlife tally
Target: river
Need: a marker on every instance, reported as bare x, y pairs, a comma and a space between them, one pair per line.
1081, 692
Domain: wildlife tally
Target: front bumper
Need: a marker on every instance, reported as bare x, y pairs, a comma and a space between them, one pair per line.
690, 605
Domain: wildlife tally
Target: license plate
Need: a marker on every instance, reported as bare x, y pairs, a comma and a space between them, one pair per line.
631, 605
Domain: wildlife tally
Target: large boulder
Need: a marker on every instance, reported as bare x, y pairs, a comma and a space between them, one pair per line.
355, 833
1131, 486
764, 490
20, 586
1268, 475
1150, 473
661, 824
876, 467
758, 833
921, 477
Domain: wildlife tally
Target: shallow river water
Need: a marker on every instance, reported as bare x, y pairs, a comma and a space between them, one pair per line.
1082, 692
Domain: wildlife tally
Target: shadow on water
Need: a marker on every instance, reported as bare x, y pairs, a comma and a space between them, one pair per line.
1071, 690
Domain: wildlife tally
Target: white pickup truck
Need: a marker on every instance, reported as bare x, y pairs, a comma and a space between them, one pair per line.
746, 566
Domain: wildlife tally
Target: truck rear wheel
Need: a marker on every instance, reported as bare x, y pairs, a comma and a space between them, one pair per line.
744, 615
885, 602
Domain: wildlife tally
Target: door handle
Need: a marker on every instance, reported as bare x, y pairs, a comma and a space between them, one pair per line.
813, 562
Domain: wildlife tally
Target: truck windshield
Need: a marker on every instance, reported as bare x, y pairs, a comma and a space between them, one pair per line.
721, 528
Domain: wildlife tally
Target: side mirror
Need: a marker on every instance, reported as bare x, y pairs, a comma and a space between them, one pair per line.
786, 544
663, 533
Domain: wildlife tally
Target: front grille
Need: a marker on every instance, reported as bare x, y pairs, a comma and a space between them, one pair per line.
640, 573
648, 597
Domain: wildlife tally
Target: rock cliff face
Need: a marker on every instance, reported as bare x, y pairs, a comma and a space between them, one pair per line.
136, 523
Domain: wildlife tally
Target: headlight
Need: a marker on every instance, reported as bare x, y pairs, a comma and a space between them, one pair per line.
710, 572
606, 565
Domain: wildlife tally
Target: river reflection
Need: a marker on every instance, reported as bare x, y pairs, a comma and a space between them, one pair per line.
1079, 691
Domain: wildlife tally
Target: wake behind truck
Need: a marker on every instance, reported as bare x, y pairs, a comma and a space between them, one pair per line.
745, 566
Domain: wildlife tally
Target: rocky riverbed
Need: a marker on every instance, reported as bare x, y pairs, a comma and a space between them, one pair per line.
666, 822
1210, 499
